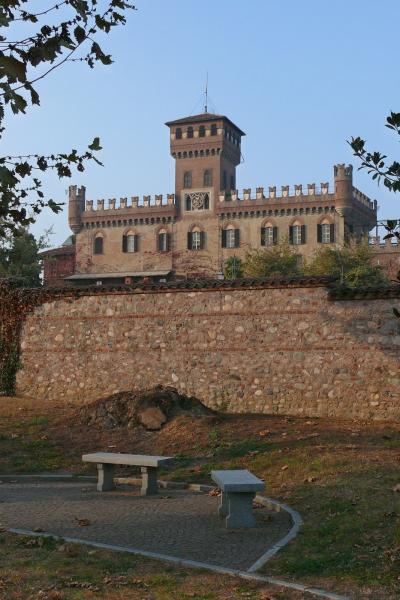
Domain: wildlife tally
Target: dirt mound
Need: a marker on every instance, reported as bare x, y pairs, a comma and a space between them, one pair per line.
150, 408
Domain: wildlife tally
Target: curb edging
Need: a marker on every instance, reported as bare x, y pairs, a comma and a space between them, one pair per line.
187, 563
249, 574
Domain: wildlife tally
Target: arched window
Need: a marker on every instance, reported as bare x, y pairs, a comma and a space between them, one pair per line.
325, 232
187, 179
190, 132
163, 240
178, 133
98, 246
207, 178
224, 180
202, 131
297, 234
213, 129
230, 237
129, 242
196, 239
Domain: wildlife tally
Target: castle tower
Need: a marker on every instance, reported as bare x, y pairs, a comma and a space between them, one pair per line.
206, 149
76, 206
343, 177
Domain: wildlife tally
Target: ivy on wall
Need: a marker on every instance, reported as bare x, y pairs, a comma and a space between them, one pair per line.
16, 302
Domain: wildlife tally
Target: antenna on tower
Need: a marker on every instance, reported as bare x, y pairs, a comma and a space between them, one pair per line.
206, 95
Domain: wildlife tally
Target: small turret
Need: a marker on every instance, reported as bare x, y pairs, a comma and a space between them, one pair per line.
76, 206
343, 176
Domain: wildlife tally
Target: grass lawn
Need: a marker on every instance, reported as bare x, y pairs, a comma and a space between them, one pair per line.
47, 569
340, 476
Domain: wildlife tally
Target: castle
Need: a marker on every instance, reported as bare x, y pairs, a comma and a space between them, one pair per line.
193, 231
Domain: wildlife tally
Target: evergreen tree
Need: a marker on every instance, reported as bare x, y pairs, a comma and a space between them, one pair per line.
19, 257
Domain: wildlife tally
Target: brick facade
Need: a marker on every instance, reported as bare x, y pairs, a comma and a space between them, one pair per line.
282, 348
58, 264
206, 203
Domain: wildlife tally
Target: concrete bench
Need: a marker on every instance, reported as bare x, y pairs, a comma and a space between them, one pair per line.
238, 488
106, 462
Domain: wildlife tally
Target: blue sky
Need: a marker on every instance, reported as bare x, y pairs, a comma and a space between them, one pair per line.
300, 78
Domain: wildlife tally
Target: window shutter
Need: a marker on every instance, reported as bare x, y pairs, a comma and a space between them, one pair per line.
168, 241
189, 240
202, 240
124, 243
303, 234
224, 238
262, 236
136, 243
319, 234
274, 235
237, 238
332, 233
159, 242
291, 234
188, 203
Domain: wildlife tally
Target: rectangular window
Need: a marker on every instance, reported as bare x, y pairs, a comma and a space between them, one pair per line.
230, 238
297, 234
129, 243
326, 234
98, 245
163, 242
267, 236
196, 240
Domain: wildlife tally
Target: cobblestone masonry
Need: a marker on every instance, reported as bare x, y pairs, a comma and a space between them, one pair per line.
177, 523
273, 350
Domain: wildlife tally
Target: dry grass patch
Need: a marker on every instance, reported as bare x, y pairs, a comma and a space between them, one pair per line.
48, 569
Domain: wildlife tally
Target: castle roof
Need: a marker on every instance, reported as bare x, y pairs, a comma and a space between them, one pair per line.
204, 117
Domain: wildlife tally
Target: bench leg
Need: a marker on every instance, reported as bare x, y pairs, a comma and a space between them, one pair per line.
223, 509
149, 481
105, 479
240, 510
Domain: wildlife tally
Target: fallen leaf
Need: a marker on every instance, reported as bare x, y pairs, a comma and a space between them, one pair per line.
82, 522
264, 432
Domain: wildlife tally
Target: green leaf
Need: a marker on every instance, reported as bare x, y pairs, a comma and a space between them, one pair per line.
13, 68
95, 145
80, 34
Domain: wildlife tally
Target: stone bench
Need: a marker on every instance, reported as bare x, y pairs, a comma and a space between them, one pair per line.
238, 488
106, 462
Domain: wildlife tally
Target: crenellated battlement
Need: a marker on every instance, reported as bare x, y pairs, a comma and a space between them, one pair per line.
274, 193
293, 194
134, 203
372, 204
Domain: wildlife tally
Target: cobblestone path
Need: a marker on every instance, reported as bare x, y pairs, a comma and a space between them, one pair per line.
177, 523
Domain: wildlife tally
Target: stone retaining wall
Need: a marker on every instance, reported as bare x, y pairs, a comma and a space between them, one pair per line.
272, 350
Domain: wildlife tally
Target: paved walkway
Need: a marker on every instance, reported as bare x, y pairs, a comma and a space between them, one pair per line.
180, 523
